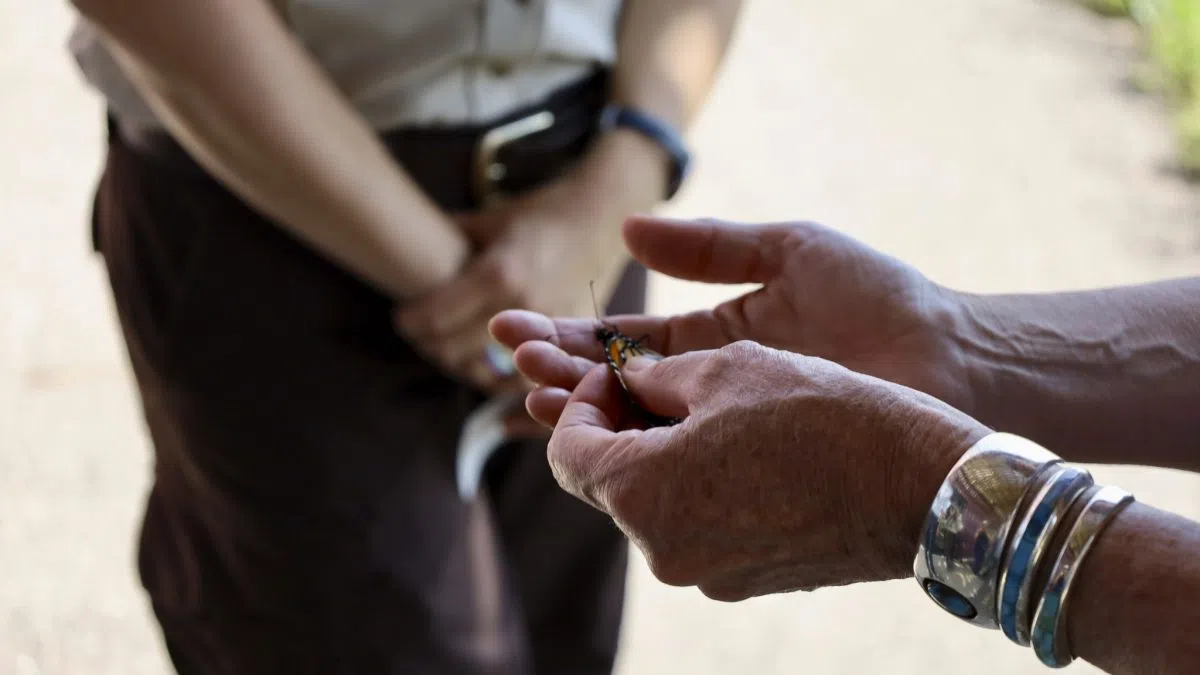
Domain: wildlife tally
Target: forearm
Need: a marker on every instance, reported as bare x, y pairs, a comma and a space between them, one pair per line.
628, 171
669, 54
651, 76
244, 98
1109, 376
1134, 608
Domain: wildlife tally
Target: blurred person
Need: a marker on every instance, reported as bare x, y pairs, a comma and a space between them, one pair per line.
308, 212
838, 427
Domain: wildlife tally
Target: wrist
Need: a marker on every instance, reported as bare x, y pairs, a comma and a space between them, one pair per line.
627, 171
955, 374
934, 438
660, 132
434, 269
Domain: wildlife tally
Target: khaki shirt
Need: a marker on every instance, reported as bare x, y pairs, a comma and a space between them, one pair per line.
419, 62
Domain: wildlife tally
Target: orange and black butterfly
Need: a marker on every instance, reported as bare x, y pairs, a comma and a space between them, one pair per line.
618, 349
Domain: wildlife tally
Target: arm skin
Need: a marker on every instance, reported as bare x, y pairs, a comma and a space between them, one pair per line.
652, 73
1107, 376
243, 97
541, 249
1110, 375
651, 76
625, 172
1135, 607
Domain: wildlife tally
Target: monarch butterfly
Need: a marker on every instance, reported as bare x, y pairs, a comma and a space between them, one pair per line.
618, 349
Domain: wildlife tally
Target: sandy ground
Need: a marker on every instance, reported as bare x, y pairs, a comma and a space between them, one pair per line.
995, 143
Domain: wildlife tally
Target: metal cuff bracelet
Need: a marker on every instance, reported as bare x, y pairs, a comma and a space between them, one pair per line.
966, 532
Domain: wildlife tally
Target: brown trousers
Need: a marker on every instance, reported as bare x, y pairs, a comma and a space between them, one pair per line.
304, 516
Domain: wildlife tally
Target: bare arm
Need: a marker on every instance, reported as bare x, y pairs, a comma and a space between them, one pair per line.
628, 170
669, 54
1109, 376
652, 75
1135, 608
244, 98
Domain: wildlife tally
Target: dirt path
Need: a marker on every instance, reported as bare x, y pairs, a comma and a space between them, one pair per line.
994, 143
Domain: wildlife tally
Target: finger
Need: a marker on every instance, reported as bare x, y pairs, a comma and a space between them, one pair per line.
548, 365
586, 445
707, 250
448, 309
553, 368
546, 404
577, 337
668, 387
469, 341
596, 402
592, 451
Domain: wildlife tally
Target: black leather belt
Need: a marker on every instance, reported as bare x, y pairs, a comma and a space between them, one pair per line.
463, 167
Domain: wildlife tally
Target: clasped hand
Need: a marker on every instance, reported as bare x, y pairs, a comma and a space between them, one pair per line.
536, 252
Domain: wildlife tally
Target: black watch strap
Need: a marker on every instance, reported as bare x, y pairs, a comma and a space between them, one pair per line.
616, 115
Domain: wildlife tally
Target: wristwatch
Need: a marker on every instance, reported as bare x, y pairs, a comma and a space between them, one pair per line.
616, 115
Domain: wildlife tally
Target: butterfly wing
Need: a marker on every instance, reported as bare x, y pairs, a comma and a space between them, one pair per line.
618, 349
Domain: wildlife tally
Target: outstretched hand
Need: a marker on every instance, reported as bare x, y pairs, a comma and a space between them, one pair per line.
822, 294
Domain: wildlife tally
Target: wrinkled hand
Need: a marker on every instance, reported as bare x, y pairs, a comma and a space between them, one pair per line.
823, 294
789, 472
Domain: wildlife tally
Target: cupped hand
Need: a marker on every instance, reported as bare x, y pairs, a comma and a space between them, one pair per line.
788, 473
822, 294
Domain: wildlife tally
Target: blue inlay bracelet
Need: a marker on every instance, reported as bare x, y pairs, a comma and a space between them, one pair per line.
1049, 633
966, 533
1028, 545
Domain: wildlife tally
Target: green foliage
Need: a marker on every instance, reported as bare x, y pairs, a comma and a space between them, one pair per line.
1108, 7
1172, 31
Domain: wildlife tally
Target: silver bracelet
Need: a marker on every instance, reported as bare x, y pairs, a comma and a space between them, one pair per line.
1049, 633
1027, 547
966, 533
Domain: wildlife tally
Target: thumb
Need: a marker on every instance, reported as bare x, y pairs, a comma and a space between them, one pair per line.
665, 387
711, 251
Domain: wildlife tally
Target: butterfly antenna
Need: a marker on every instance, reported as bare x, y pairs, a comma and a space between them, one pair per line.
595, 305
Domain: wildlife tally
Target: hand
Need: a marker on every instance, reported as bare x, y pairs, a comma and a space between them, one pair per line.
788, 473
823, 294
540, 251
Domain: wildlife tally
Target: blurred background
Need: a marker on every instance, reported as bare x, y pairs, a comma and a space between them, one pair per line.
999, 145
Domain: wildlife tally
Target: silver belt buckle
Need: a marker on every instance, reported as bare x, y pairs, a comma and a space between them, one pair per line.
488, 171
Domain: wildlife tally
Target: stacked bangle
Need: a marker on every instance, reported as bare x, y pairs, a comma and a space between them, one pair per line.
994, 530
1028, 545
1050, 642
